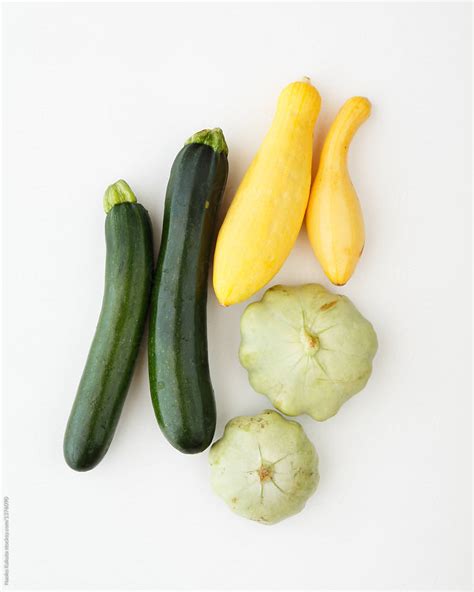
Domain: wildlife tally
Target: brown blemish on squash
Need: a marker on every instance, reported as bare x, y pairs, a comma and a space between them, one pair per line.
234, 500
328, 305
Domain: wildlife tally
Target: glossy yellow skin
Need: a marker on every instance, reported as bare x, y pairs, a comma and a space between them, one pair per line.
267, 212
334, 217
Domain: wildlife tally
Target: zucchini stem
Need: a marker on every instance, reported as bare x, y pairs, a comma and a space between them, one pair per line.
211, 137
118, 193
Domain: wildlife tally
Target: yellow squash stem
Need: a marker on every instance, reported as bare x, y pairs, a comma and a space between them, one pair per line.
267, 212
334, 217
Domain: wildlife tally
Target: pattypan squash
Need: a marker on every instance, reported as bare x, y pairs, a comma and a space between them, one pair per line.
308, 350
264, 467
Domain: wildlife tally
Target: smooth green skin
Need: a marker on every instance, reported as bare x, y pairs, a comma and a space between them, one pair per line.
109, 367
180, 382
264, 467
308, 350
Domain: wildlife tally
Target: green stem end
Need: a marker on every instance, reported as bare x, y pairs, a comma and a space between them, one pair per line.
211, 137
118, 193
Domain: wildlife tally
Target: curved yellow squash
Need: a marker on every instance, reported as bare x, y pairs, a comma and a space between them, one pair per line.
268, 209
334, 218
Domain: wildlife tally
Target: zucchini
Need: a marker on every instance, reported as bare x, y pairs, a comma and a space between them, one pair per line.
109, 367
180, 382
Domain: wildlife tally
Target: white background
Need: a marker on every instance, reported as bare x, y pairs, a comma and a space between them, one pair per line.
93, 93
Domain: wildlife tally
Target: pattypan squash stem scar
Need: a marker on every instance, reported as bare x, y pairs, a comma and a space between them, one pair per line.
310, 342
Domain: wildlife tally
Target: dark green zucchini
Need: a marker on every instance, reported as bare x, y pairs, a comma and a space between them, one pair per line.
109, 367
180, 382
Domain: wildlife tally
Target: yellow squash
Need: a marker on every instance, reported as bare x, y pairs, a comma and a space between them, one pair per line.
268, 209
334, 217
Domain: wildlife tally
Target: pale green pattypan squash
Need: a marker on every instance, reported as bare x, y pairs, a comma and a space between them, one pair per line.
264, 467
308, 350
